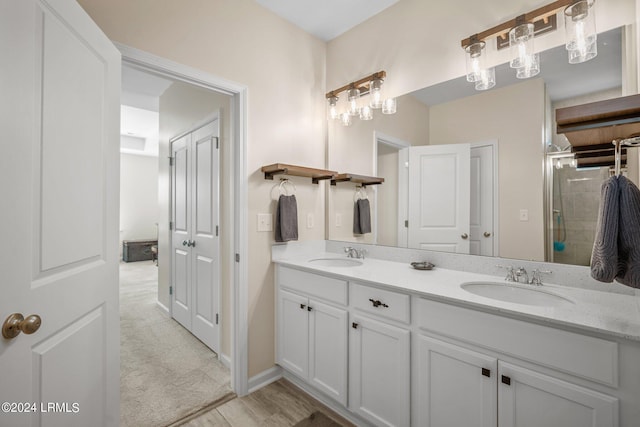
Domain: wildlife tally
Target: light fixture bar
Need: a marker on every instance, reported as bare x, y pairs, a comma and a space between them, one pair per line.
362, 84
535, 15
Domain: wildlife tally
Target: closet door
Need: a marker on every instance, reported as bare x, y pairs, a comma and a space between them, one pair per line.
195, 245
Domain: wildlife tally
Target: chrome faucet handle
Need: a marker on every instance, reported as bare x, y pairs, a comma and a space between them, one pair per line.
511, 277
536, 278
521, 271
348, 250
362, 253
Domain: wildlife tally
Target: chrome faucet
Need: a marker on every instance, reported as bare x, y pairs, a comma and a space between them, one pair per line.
521, 272
510, 277
354, 252
536, 278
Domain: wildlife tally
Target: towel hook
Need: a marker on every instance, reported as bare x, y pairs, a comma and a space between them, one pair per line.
361, 193
616, 143
283, 186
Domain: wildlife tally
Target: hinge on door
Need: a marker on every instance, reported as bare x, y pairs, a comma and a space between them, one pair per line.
406, 223
171, 159
170, 290
216, 231
170, 225
216, 318
237, 257
217, 142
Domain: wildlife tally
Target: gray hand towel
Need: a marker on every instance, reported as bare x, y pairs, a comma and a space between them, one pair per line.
604, 257
361, 217
629, 234
286, 219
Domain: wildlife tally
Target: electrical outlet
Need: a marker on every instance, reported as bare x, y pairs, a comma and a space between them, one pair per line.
309, 220
338, 220
524, 214
264, 222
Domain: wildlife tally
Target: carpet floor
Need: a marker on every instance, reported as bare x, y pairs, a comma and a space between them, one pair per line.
166, 373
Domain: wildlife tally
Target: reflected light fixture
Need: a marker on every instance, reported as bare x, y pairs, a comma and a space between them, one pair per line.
354, 94
518, 33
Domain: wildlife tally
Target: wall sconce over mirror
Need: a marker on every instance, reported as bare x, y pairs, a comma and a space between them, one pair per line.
581, 40
361, 98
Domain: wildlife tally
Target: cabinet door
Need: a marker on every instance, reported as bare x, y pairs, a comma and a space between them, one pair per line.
456, 386
379, 372
293, 334
328, 350
530, 399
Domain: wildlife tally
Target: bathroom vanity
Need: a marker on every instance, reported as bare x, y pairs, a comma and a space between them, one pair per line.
385, 344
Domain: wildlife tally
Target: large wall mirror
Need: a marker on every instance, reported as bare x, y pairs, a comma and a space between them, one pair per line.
480, 172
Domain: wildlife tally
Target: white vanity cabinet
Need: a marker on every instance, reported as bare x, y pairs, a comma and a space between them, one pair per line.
312, 330
470, 385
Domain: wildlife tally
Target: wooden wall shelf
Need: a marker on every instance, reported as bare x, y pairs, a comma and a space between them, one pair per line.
316, 175
357, 179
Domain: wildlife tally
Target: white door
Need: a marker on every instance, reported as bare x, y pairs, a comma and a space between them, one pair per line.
439, 199
530, 399
60, 85
456, 386
293, 333
482, 233
379, 378
328, 349
195, 241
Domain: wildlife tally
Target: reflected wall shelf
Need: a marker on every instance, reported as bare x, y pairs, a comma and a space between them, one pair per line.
357, 179
316, 175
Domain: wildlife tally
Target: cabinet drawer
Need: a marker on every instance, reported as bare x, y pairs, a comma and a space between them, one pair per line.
591, 358
327, 288
382, 303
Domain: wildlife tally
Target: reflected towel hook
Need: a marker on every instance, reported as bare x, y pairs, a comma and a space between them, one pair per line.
361, 193
286, 188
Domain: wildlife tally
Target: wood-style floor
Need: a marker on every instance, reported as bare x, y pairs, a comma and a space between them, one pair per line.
280, 404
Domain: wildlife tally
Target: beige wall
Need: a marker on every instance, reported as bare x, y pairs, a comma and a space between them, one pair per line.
138, 197
284, 70
351, 150
518, 126
182, 107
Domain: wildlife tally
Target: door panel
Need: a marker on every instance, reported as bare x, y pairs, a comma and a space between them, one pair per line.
439, 197
293, 335
482, 233
60, 170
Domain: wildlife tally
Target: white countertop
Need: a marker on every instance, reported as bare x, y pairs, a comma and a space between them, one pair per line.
602, 312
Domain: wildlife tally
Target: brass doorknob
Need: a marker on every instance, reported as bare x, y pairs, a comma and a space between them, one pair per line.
16, 323
464, 236
487, 234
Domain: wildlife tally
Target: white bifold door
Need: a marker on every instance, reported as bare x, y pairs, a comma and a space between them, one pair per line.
59, 115
195, 251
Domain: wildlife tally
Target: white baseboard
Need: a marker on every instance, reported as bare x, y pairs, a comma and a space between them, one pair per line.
163, 307
264, 378
225, 359
326, 401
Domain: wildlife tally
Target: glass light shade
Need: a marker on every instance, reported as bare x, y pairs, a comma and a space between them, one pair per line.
352, 96
530, 68
580, 27
345, 119
475, 60
521, 43
375, 90
389, 106
487, 79
366, 113
332, 112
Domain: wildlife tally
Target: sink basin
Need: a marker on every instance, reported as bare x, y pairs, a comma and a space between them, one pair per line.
519, 294
336, 262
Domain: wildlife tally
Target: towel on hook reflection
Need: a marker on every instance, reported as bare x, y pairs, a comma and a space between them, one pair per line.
286, 219
616, 249
361, 217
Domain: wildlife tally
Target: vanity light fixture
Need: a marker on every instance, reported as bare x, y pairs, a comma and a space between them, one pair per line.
354, 93
581, 40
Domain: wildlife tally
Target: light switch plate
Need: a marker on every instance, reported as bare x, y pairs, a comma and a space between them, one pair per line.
338, 220
310, 220
265, 222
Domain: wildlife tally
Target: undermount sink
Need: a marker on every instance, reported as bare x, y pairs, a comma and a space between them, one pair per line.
336, 262
519, 294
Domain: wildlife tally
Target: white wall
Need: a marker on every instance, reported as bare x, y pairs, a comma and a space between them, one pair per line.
284, 70
138, 197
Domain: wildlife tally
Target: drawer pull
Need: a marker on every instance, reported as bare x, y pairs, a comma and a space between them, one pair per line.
486, 372
378, 303
506, 380
354, 325
302, 306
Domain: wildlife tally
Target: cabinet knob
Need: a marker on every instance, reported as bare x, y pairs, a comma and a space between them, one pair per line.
302, 306
506, 380
309, 308
354, 325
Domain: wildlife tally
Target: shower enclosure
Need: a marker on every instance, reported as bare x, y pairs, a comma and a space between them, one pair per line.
572, 200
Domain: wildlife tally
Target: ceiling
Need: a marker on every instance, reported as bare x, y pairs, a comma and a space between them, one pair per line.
326, 19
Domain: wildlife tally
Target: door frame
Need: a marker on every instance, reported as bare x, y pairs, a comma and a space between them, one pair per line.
238, 212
